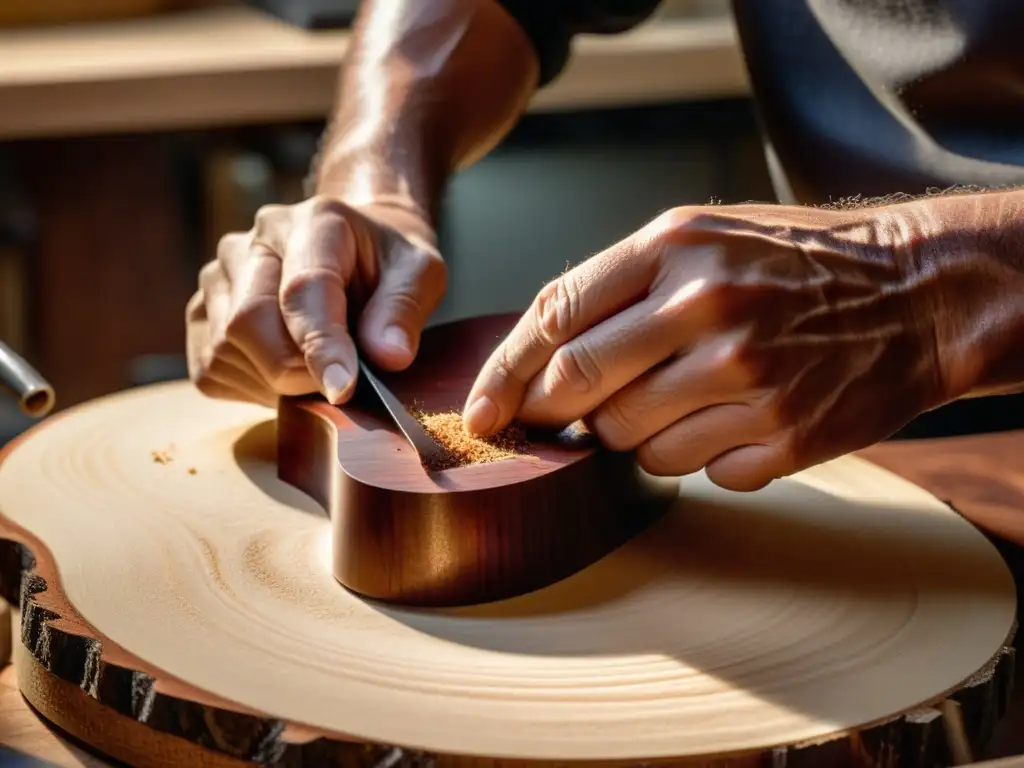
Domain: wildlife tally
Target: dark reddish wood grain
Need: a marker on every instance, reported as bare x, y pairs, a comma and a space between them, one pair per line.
469, 534
981, 476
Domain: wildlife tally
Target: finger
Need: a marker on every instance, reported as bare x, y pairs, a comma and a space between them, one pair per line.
710, 374
256, 327
220, 391
593, 291
230, 378
195, 310
750, 467
216, 287
592, 367
691, 443
315, 269
215, 377
410, 288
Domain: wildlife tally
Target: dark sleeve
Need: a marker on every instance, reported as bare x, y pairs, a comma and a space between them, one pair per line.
551, 24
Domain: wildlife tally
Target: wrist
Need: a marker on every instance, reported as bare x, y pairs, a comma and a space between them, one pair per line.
965, 252
367, 184
372, 175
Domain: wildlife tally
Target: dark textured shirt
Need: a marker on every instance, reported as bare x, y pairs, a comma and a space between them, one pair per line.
855, 97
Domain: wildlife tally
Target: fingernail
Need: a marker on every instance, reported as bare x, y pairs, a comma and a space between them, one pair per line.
336, 381
395, 336
481, 416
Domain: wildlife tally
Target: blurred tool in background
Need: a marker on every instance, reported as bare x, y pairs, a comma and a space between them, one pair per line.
31, 391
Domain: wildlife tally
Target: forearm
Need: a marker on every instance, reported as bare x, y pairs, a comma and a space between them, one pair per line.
427, 87
973, 246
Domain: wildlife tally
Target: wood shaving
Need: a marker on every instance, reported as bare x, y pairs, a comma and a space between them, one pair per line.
462, 448
161, 457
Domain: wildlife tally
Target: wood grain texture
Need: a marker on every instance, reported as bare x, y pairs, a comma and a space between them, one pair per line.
469, 534
818, 610
981, 476
101, 694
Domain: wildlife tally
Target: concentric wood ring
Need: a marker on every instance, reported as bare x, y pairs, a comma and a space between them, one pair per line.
738, 622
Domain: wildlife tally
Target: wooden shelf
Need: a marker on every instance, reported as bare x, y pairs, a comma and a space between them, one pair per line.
233, 65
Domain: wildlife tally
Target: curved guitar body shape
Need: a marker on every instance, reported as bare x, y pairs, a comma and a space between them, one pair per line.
469, 534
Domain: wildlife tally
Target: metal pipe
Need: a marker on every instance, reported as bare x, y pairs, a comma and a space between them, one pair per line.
34, 393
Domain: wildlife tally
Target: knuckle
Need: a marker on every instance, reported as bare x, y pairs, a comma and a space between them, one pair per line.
555, 309
297, 290
269, 215
404, 304
270, 229
672, 223
248, 316
733, 360
230, 243
616, 424
315, 343
681, 224
573, 366
424, 274
657, 458
427, 264
325, 205
733, 357
209, 274
673, 219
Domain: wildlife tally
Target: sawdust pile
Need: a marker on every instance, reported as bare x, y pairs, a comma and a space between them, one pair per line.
463, 449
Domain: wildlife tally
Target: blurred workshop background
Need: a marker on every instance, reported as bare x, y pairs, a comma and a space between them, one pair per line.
134, 133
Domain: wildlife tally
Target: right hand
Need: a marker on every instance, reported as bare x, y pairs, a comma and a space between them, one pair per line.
271, 316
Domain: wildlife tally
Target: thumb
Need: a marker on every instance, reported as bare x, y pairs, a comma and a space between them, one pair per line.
412, 284
316, 265
567, 307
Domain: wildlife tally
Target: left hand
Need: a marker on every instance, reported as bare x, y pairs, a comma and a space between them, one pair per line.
751, 341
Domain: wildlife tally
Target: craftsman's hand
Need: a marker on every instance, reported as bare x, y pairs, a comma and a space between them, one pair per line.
272, 313
753, 341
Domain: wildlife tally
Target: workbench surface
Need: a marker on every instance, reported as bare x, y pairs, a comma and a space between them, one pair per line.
236, 65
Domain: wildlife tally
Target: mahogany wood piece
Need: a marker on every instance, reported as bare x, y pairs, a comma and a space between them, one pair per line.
469, 534
980, 476
106, 694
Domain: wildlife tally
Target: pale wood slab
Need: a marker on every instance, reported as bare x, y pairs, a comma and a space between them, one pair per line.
739, 622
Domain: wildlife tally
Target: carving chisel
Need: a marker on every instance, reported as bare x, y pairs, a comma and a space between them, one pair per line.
431, 454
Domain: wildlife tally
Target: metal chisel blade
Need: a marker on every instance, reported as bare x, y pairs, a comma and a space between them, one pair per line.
431, 454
